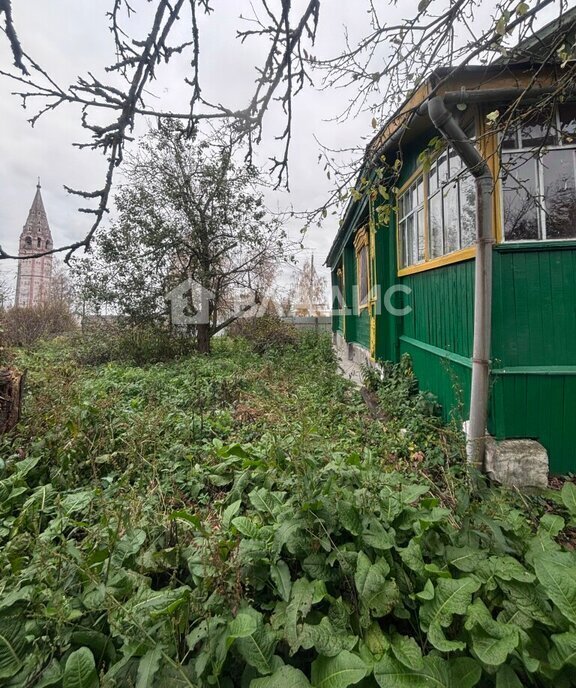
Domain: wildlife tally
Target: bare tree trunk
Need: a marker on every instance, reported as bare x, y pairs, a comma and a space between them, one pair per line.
11, 387
203, 338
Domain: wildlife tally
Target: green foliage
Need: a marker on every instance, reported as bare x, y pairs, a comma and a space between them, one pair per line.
242, 520
266, 333
132, 344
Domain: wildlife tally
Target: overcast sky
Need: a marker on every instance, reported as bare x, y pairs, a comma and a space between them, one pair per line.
71, 37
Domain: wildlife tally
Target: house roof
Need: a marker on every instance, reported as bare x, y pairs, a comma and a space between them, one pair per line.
500, 74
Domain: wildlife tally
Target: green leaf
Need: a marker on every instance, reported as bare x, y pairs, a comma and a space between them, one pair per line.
75, 502
80, 670
556, 572
258, 649
568, 496
451, 596
280, 574
349, 517
50, 676
507, 568
301, 601
441, 642
148, 667
128, 546
229, 512
341, 671
266, 501
376, 594
522, 8
246, 527
191, 519
435, 673
563, 651
375, 639
11, 647
464, 559
412, 557
284, 677
407, 651
242, 626
506, 678
375, 535
551, 525
326, 639
493, 647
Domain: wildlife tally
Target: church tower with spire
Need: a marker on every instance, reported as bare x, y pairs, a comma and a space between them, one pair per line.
34, 274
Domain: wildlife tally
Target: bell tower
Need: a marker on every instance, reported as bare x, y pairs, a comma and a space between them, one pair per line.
34, 274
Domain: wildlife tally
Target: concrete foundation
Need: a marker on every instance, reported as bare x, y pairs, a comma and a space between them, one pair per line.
351, 358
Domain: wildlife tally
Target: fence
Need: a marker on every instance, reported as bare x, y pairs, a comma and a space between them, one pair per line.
321, 323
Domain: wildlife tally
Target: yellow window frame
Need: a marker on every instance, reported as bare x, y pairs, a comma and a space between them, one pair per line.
362, 243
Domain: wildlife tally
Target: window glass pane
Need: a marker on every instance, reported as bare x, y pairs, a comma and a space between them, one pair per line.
410, 240
559, 194
510, 137
538, 130
467, 210
442, 168
568, 124
420, 191
436, 237
421, 254
456, 163
363, 277
451, 228
432, 179
401, 207
407, 202
520, 200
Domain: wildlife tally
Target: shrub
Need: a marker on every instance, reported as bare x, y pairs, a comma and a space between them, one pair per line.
133, 344
26, 326
266, 333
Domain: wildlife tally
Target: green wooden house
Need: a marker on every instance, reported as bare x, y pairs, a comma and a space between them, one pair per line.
404, 259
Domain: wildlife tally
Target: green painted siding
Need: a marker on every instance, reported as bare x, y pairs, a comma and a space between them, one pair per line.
442, 304
438, 333
534, 349
534, 311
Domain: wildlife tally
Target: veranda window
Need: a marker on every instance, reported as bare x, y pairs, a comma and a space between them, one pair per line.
451, 205
539, 177
437, 212
411, 223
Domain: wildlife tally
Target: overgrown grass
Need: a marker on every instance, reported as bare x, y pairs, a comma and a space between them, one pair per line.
242, 520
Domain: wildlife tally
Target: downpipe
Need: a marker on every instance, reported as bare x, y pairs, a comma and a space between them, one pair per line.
451, 131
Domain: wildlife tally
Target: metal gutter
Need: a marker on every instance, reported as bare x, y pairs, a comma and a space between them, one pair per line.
445, 123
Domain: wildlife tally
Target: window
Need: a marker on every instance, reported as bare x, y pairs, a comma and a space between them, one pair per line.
452, 205
437, 212
411, 223
539, 177
339, 302
362, 267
